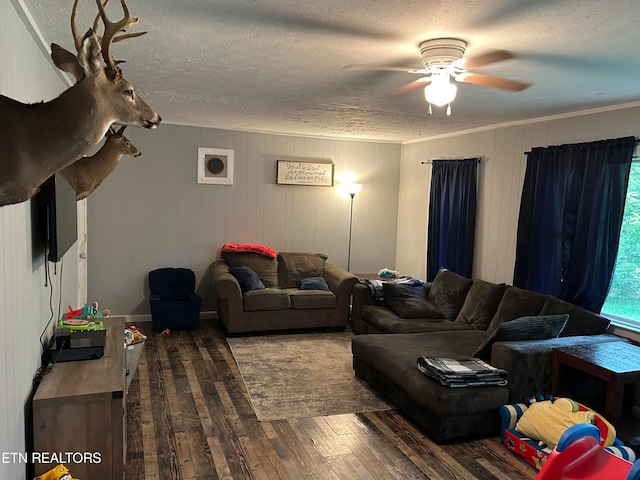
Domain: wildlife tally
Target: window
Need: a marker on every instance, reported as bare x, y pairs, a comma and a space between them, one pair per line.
622, 305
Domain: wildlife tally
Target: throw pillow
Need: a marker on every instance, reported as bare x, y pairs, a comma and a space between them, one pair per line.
515, 303
313, 283
247, 278
480, 304
448, 292
581, 321
406, 304
539, 327
265, 267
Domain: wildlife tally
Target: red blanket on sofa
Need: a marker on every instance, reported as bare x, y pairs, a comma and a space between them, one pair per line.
250, 247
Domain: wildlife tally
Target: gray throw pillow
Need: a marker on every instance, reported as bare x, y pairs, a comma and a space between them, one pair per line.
313, 283
247, 278
406, 304
540, 327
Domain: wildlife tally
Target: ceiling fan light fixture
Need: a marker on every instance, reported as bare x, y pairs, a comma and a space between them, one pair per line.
440, 91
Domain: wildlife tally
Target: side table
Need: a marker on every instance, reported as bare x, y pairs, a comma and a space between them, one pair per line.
617, 363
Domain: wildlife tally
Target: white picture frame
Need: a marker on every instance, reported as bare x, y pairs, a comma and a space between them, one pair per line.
215, 166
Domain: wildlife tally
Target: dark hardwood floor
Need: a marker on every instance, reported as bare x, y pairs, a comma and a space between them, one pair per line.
189, 416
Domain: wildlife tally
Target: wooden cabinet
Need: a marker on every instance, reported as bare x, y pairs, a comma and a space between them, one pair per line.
79, 413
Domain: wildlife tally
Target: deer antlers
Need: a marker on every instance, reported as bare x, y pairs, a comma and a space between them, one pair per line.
111, 29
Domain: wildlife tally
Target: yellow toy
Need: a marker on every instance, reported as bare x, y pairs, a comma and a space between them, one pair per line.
57, 473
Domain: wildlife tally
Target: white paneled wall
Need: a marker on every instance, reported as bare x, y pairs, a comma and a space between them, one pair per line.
151, 212
501, 175
26, 75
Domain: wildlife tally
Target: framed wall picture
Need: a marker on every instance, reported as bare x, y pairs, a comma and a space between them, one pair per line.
215, 165
305, 173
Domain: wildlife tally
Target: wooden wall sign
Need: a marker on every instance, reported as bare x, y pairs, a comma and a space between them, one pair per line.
305, 173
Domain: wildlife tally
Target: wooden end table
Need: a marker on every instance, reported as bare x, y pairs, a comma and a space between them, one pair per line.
617, 363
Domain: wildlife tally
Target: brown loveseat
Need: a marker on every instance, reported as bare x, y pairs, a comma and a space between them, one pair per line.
290, 294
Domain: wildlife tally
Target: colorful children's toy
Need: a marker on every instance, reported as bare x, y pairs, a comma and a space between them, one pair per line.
579, 455
86, 312
56, 473
533, 450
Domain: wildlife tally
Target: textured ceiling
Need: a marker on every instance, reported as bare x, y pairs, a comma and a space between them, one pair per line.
276, 65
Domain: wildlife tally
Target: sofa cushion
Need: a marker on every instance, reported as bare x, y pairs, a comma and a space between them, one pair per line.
294, 266
406, 304
581, 321
247, 279
311, 299
448, 292
540, 327
481, 304
313, 283
385, 320
265, 267
515, 303
267, 299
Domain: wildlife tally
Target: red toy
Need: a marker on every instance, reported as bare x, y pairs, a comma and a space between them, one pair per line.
579, 455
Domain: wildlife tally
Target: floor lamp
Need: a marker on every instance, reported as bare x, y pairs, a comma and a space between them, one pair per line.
351, 189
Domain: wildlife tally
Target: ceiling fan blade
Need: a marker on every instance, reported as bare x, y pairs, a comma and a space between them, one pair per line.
485, 59
384, 69
495, 82
410, 87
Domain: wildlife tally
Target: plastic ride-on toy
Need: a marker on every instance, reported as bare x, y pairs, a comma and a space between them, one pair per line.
579, 455
56, 473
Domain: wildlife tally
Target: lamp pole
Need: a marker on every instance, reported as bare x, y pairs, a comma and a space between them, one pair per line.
353, 194
351, 189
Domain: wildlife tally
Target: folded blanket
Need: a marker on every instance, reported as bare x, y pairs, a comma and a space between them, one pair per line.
250, 247
471, 372
376, 285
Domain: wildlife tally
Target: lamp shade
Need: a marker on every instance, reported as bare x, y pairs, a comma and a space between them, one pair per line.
440, 91
353, 188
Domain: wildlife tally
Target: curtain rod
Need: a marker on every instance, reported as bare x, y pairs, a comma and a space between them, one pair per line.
429, 162
634, 155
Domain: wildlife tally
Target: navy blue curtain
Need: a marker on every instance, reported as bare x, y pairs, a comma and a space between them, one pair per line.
570, 218
452, 216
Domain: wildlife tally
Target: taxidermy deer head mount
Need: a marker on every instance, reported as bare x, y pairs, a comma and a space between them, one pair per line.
86, 174
38, 140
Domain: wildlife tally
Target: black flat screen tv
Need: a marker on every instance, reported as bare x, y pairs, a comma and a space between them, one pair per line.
61, 215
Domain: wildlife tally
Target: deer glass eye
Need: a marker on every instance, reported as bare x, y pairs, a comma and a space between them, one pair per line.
128, 92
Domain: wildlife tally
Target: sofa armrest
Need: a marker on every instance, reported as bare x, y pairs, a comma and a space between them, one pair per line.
528, 363
228, 294
362, 296
341, 283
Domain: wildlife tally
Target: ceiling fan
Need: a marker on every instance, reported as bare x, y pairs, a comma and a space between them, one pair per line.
442, 59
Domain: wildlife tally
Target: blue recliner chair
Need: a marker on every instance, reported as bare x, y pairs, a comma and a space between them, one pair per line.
174, 303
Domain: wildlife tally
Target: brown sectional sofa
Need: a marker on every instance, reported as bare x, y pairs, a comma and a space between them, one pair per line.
285, 303
475, 324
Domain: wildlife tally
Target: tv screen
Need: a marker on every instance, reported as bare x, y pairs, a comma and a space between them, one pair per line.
62, 217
